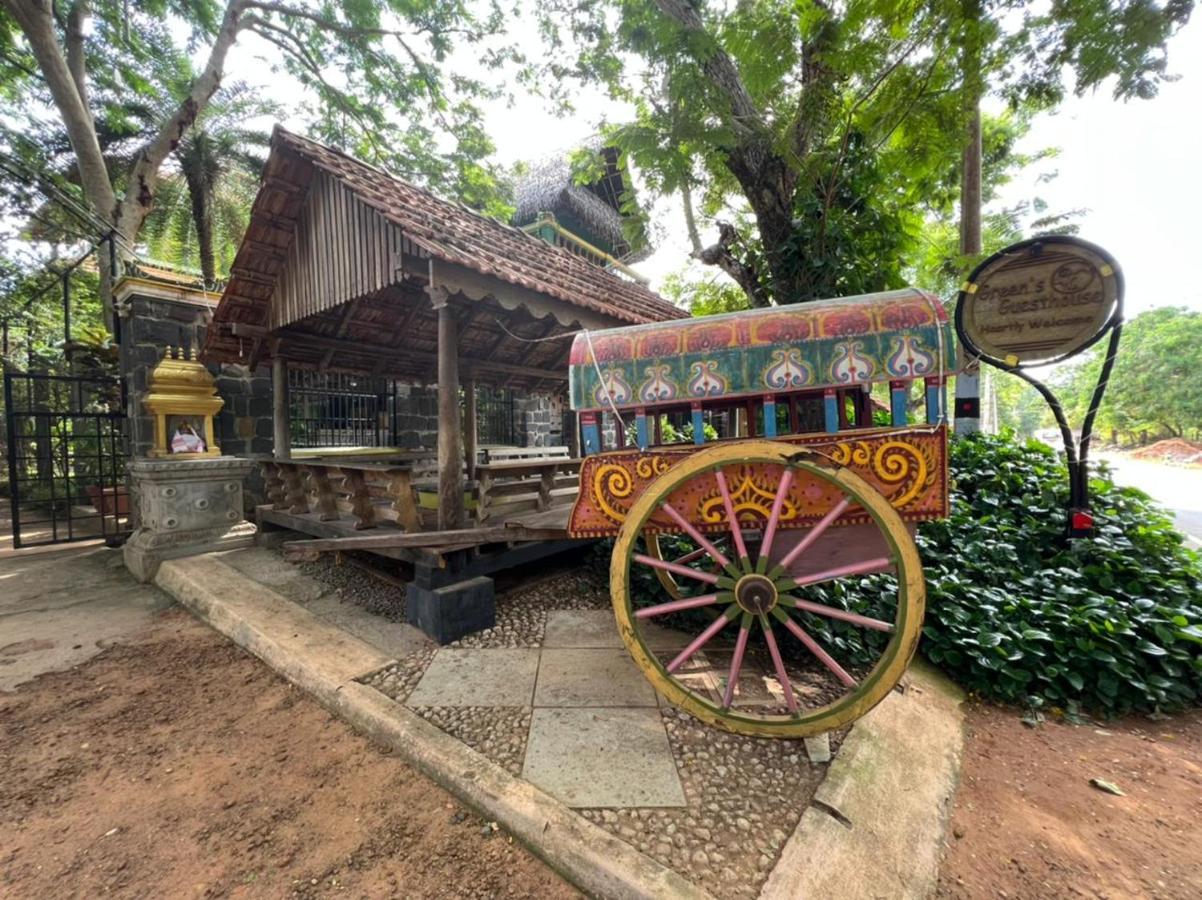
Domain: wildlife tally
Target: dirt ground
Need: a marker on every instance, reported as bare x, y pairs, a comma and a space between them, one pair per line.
1028, 823
178, 765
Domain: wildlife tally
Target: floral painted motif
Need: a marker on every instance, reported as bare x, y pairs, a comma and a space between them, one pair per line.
613, 383
851, 364
705, 380
659, 386
663, 342
908, 358
788, 328
788, 370
846, 322
910, 314
715, 336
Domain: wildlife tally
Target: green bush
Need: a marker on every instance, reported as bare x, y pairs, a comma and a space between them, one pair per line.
1017, 613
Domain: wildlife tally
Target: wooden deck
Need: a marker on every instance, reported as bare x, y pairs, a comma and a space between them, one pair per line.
518, 510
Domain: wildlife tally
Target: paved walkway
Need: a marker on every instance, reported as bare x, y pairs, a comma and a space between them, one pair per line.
596, 736
58, 609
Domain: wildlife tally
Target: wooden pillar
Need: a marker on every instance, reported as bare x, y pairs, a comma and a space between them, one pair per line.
281, 438
470, 428
450, 448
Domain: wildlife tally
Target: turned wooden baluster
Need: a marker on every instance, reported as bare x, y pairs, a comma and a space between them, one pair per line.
296, 497
327, 504
274, 483
355, 488
400, 488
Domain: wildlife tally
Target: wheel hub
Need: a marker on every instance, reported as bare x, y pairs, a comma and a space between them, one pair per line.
756, 594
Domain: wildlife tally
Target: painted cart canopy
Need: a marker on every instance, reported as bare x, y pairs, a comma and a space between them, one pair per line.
826, 343
908, 466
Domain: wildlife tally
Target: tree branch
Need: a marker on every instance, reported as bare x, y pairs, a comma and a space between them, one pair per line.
139, 192
76, 61
743, 273
37, 22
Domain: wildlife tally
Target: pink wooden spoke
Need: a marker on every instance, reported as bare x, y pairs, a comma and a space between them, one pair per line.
736, 530
703, 638
779, 664
736, 663
718, 555
675, 606
815, 532
832, 613
675, 569
860, 568
823, 656
782, 491
690, 557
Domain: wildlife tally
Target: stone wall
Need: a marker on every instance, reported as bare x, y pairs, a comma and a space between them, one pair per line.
416, 417
160, 316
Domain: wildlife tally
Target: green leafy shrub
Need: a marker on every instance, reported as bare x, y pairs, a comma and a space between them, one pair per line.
1017, 613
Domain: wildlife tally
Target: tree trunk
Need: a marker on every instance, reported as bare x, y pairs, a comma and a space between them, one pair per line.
202, 218
968, 383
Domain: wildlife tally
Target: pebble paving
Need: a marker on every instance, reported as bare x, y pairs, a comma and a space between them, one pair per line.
744, 796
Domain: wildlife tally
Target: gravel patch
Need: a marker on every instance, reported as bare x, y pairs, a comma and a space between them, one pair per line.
496, 732
745, 797
522, 611
353, 585
398, 680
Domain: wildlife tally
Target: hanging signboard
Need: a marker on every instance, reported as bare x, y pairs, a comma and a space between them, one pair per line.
1040, 302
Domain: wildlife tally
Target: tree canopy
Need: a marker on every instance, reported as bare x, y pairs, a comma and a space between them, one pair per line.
815, 137
1154, 386
108, 87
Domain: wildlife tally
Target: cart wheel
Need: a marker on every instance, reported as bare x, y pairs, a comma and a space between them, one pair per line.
748, 685
687, 553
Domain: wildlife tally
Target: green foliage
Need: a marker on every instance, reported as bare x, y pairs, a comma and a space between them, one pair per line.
820, 137
1154, 385
703, 298
1017, 613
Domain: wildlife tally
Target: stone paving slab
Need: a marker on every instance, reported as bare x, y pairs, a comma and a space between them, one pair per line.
602, 758
478, 678
595, 628
591, 678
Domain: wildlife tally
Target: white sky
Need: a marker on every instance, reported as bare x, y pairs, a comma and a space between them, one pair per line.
1134, 167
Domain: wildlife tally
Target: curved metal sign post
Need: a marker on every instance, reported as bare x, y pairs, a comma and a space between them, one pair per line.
1039, 302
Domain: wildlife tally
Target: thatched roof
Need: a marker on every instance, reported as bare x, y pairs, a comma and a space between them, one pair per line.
592, 211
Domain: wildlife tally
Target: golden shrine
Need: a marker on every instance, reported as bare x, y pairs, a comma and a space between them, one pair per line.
183, 399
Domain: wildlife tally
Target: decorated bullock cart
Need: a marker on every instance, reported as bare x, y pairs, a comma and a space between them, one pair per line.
752, 539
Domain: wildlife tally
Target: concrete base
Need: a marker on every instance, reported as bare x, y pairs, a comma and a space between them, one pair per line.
186, 507
449, 612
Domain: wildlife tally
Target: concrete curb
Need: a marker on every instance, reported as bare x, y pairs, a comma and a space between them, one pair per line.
877, 824
585, 854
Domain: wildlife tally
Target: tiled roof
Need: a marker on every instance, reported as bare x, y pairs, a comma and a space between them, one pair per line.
454, 233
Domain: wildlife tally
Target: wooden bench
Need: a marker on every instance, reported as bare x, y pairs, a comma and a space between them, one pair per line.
509, 454
516, 486
370, 491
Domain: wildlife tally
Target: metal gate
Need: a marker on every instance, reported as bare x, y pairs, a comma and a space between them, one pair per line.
66, 460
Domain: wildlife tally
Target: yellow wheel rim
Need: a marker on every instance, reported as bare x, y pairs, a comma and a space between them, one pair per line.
870, 690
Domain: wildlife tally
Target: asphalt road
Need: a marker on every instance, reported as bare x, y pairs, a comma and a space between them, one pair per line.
1177, 488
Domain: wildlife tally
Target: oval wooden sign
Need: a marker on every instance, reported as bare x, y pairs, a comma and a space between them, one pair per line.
1038, 301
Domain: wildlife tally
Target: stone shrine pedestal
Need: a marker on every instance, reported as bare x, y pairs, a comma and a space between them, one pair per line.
186, 507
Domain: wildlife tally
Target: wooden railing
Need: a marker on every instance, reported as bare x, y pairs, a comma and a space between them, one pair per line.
373, 491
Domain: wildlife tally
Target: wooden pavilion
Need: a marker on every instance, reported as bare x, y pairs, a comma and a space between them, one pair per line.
345, 268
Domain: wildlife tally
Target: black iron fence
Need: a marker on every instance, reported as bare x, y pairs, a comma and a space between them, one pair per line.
496, 416
66, 457
334, 409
